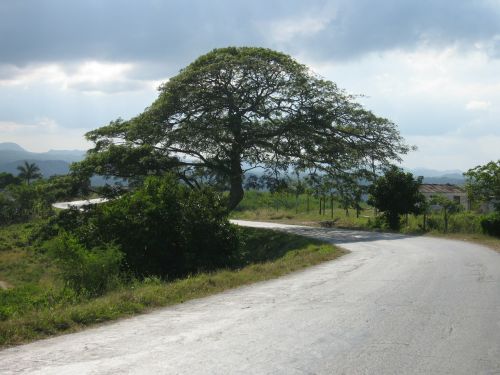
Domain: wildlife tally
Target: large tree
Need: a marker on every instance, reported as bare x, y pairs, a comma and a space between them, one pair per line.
238, 108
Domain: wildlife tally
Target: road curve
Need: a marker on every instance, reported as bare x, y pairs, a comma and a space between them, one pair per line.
394, 305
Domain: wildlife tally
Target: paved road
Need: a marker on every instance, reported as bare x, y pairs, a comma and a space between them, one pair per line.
394, 305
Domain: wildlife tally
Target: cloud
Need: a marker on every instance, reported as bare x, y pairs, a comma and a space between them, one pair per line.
425, 92
175, 32
86, 76
350, 29
477, 105
42, 134
452, 152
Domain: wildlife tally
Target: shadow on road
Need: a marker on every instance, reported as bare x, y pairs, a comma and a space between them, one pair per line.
337, 236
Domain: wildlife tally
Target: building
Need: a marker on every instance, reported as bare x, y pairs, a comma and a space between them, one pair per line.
452, 192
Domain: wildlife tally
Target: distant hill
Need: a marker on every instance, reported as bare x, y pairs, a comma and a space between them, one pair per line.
432, 176
53, 162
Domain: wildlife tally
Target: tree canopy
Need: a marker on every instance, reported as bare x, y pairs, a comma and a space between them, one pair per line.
29, 172
238, 108
483, 183
396, 193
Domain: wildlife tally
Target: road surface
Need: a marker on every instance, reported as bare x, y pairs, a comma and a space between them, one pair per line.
394, 305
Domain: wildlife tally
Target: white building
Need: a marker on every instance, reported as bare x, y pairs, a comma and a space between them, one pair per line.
452, 192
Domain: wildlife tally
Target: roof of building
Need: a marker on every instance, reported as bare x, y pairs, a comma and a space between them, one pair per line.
441, 188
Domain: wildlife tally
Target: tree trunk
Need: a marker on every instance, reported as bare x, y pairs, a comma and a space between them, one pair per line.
236, 191
331, 205
445, 221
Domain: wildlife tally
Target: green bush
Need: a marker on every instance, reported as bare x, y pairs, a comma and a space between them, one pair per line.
86, 271
163, 229
491, 224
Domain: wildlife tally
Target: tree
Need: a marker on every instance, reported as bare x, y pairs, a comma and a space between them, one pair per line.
253, 182
29, 171
448, 206
7, 179
396, 193
483, 183
237, 108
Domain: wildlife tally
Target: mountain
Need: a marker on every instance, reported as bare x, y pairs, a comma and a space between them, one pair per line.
9, 146
433, 176
50, 163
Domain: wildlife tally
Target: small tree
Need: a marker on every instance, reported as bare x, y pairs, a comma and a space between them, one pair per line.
448, 206
395, 194
483, 183
29, 171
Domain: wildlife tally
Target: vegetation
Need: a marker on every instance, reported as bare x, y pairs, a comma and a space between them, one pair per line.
284, 207
234, 109
29, 172
162, 229
491, 224
483, 183
39, 305
396, 193
21, 202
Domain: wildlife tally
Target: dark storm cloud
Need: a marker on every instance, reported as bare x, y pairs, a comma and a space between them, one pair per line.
54, 30
363, 26
174, 32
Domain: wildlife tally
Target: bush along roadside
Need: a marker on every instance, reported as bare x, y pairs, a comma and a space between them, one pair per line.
161, 244
262, 255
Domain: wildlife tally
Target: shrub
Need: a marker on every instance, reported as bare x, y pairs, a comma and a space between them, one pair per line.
86, 271
163, 229
491, 224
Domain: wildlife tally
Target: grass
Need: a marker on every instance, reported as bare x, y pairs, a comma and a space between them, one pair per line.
20, 263
31, 311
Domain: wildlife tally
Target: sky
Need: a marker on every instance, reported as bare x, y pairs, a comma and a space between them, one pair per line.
431, 66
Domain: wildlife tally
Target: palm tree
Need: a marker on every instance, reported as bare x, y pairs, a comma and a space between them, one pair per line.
29, 171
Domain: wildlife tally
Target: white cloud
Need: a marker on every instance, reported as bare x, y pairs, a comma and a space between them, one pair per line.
44, 125
87, 76
452, 152
43, 134
287, 30
477, 105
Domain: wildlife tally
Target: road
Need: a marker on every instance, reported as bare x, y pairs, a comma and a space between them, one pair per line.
394, 305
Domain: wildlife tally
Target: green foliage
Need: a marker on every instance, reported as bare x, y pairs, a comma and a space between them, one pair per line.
29, 171
395, 194
22, 202
7, 179
91, 272
447, 205
491, 224
163, 228
483, 183
31, 311
243, 106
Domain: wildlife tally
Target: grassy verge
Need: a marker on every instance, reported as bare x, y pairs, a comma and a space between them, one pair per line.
32, 312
